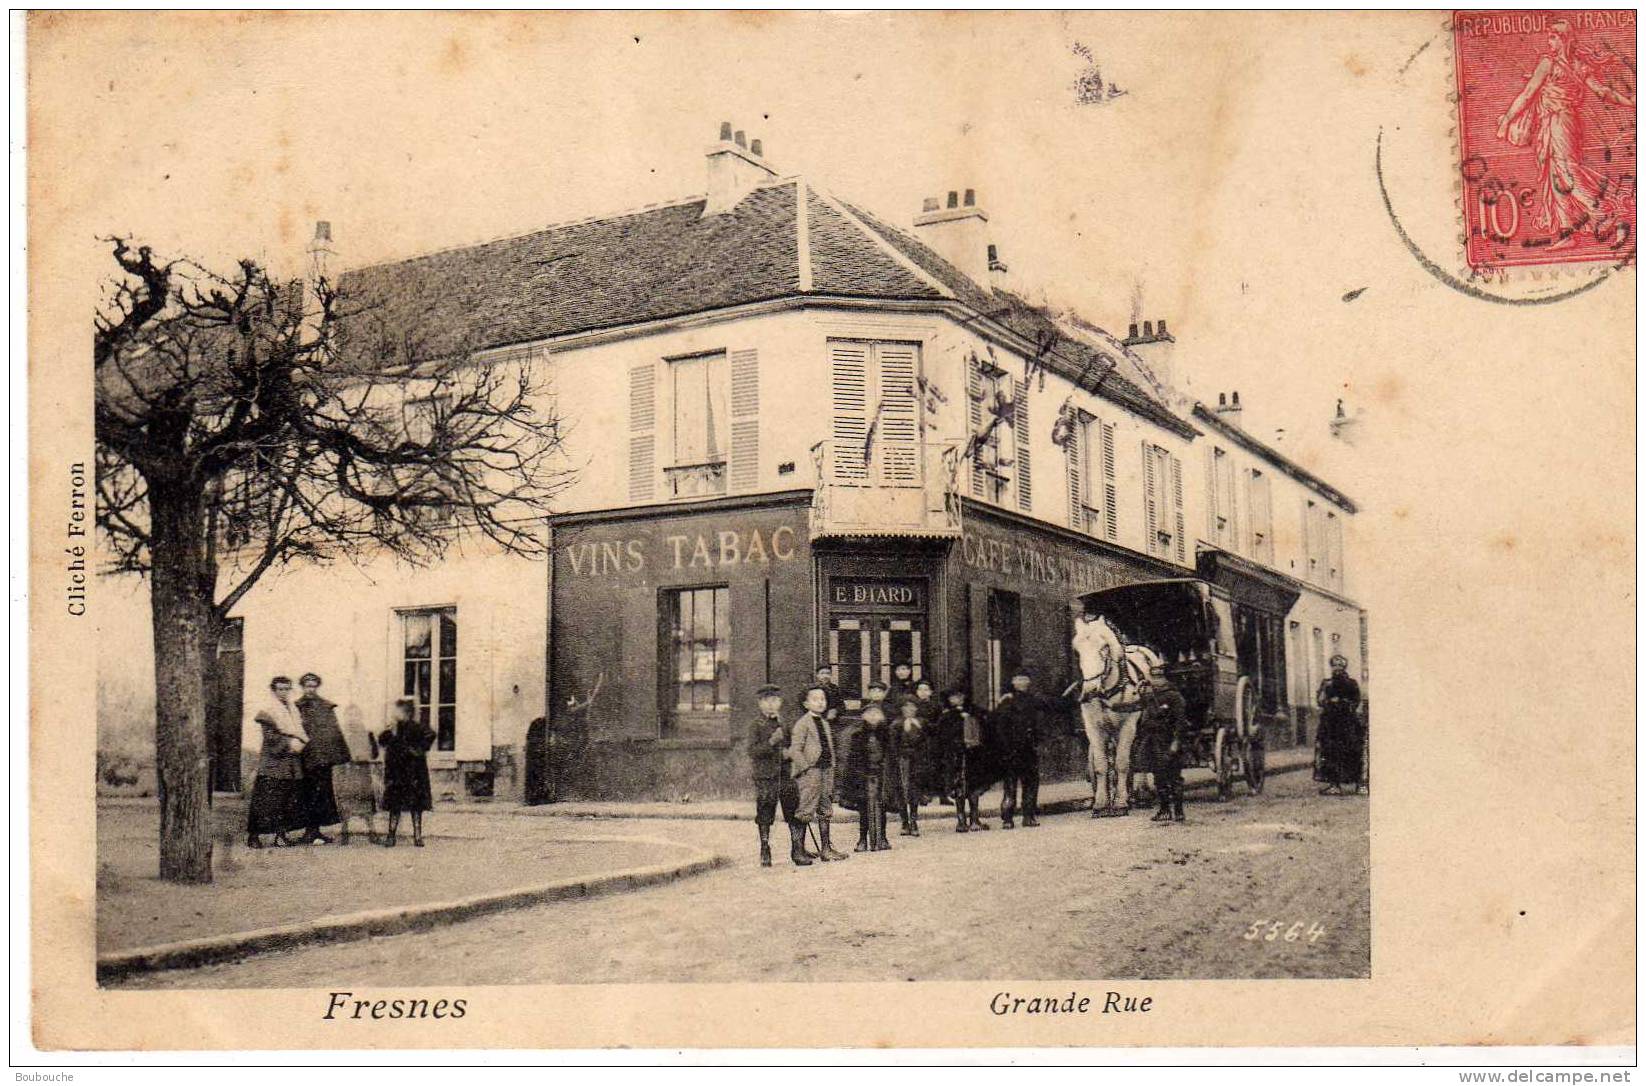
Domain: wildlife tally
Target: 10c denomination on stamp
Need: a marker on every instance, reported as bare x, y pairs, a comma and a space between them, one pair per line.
1546, 126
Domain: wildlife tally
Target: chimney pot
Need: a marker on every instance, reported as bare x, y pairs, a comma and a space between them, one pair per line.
931, 203
1340, 409
1148, 329
971, 197
739, 139
1131, 330
755, 148
1222, 397
994, 255
1236, 398
954, 198
726, 131
1160, 329
322, 232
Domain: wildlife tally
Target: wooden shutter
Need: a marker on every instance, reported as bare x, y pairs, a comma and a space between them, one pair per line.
1020, 443
1111, 514
974, 418
897, 434
1150, 513
848, 381
1074, 453
642, 432
1177, 507
1211, 494
745, 452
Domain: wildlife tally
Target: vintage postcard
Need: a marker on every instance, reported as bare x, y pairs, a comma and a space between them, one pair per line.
790, 530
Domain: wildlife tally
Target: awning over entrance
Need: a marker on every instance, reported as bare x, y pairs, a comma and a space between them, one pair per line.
1247, 582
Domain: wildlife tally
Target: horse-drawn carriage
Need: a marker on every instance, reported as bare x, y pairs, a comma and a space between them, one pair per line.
1187, 626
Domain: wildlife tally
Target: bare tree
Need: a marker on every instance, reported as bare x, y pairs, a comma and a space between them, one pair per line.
244, 423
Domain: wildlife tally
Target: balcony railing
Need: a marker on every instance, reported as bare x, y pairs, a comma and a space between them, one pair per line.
902, 489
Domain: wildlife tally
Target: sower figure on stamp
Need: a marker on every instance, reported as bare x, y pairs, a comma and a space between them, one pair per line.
773, 786
1017, 721
1163, 725
812, 764
1550, 114
326, 749
1341, 742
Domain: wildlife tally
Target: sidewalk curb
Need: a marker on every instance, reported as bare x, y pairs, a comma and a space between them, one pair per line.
927, 814
393, 921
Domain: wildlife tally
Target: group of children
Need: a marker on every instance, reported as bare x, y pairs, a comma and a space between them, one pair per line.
905, 746
901, 748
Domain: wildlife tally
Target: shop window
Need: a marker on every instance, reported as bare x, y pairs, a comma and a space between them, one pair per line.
1005, 640
701, 425
696, 650
428, 640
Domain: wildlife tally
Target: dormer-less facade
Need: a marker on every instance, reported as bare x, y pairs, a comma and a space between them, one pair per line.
800, 436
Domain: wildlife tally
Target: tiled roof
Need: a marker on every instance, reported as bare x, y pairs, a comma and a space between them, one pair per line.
583, 276
673, 260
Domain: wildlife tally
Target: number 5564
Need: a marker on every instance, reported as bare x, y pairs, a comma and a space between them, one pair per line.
1270, 931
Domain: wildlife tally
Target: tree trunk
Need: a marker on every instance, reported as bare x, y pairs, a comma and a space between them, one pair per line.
181, 625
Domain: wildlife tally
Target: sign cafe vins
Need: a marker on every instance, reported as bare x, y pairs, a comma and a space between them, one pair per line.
713, 550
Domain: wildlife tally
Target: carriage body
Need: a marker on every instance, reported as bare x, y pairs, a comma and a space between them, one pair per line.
1190, 624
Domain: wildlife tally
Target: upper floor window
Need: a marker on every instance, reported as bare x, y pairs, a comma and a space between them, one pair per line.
1259, 517
876, 424
1088, 447
998, 414
1163, 503
1223, 502
701, 425
1323, 544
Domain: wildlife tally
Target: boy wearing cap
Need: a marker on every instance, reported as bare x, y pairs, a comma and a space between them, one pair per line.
1017, 721
768, 749
1161, 729
866, 761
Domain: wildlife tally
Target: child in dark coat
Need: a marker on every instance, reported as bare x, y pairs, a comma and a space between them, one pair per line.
406, 770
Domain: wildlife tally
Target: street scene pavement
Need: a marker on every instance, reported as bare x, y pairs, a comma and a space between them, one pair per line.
1276, 885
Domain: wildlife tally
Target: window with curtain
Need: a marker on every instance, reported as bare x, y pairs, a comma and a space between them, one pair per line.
697, 660
429, 669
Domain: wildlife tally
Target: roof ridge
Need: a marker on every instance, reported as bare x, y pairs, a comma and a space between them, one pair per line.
586, 220
851, 214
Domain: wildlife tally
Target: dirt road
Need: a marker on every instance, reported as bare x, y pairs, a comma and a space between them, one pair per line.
1274, 886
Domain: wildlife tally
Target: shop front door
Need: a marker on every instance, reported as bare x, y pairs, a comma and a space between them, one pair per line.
873, 626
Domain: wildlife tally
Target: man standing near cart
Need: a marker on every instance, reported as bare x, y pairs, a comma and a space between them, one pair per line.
1017, 721
1162, 731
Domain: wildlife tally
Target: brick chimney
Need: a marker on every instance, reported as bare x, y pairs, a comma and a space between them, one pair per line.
958, 231
1228, 408
735, 168
1345, 426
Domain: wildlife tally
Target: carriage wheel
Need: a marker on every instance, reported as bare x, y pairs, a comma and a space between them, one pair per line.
1253, 760
1223, 763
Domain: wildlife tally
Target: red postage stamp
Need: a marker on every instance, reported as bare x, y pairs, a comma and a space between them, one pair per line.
1546, 124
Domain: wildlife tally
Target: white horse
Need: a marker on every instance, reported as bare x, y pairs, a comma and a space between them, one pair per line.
1111, 677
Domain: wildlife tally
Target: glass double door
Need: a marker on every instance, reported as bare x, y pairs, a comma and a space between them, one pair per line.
865, 646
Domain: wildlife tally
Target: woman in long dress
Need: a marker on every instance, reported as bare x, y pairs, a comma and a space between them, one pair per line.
276, 796
1549, 113
1342, 744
